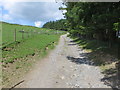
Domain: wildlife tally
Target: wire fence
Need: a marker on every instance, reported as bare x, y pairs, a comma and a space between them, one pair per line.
18, 35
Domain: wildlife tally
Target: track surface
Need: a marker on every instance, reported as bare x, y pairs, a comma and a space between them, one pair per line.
65, 67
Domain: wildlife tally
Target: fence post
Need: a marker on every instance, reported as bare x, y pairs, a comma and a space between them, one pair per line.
22, 35
31, 32
15, 35
28, 34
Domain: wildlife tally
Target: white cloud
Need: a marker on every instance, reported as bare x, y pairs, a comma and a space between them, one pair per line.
31, 0
38, 23
0, 13
32, 11
6, 17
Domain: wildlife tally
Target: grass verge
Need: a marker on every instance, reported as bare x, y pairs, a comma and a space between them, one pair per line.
19, 57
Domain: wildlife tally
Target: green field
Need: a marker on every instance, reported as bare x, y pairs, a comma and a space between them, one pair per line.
35, 40
19, 55
8, 32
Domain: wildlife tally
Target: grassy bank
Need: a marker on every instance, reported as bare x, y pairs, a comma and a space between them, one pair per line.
19, 56
27, 47
26, 43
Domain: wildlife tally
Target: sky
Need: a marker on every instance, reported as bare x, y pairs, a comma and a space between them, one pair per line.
29, 13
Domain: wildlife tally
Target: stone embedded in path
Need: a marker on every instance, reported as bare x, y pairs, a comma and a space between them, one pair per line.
74, 75
56, 82
76, 85
62, 77
75, 69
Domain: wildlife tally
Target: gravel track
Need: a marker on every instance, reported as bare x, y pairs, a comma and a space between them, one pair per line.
65, 67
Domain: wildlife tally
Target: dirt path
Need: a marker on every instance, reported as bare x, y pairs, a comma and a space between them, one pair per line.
65, 67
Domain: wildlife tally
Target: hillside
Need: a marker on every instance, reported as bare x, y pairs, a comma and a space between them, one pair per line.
32, 42
22, 32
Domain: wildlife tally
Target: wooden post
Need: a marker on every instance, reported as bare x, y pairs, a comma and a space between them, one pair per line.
31, 32
15, 35
22, 35
28, 34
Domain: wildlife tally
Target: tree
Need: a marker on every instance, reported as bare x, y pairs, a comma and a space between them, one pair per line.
58, 25
93, 19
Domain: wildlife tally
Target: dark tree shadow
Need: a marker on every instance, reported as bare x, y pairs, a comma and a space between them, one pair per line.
111, 78
75, 40
110, 75
79, 60
71, 44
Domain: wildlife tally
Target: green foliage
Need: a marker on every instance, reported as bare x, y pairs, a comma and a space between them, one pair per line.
58, 25
93, 20
116, 26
